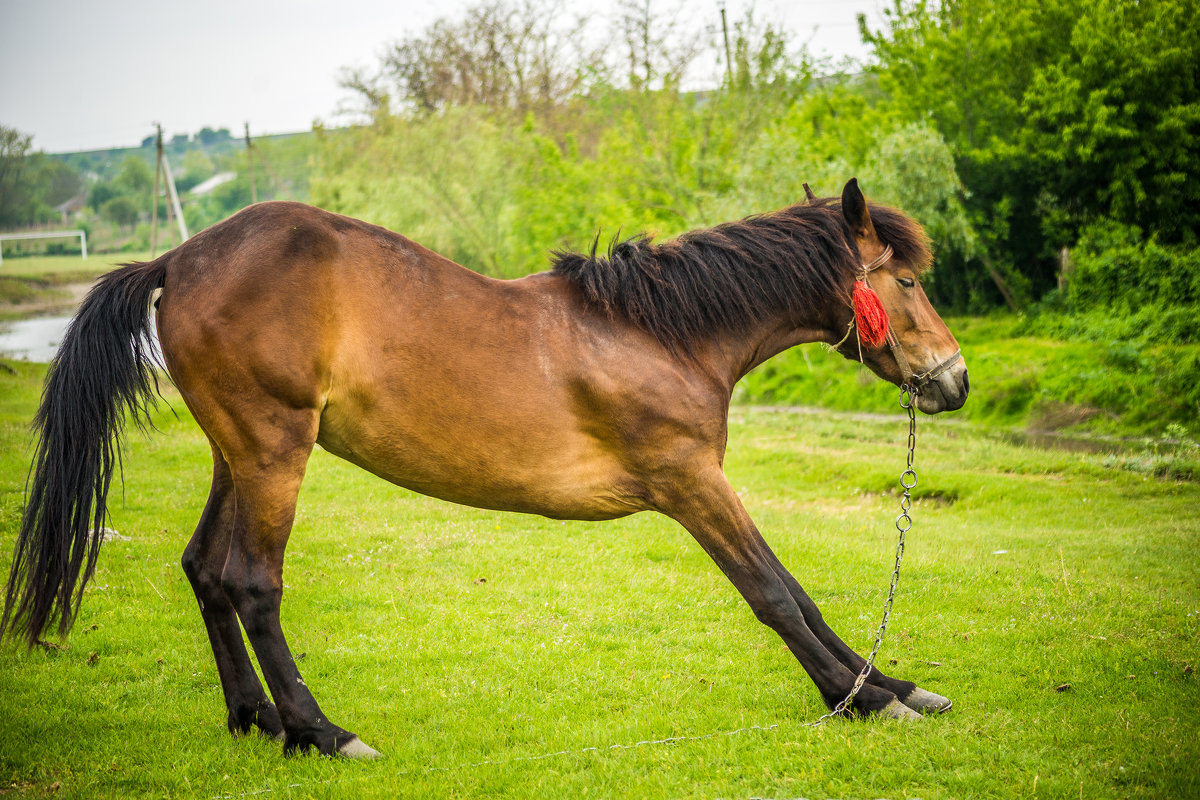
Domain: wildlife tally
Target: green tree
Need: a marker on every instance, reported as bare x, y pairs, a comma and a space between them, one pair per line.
17, 192
1059, 113
1115, 122
122, 210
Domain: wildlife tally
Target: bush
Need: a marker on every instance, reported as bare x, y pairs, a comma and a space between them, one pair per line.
1114, 268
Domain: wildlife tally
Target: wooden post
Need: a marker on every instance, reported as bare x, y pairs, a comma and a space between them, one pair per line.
183, 234
728, 57
250, 157
158, 154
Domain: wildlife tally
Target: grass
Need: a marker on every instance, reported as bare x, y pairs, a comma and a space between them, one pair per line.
1020, 376
38, 282
1052, 595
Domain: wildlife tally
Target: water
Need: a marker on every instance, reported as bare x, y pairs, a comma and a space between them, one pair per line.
34, 339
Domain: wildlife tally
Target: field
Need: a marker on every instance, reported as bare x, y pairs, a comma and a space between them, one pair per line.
1053, 595
39, 284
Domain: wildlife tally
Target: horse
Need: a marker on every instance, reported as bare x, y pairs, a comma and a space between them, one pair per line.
594, 390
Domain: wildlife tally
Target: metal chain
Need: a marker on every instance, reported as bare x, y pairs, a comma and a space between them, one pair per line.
908, 479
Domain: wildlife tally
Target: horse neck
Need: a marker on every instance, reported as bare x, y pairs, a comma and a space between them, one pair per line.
733, 355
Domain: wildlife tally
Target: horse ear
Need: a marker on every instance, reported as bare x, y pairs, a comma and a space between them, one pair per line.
808, 193
854, 209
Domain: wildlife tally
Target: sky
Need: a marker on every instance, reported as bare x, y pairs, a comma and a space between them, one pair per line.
94, 74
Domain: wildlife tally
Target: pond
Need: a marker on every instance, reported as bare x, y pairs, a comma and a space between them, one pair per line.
33, 339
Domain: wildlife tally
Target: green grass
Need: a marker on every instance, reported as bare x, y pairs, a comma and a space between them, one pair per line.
40, 279
464, 643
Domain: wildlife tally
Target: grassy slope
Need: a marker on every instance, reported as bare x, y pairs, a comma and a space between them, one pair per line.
1016, 379
589, 635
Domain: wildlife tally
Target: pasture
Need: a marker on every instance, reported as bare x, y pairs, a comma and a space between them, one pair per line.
1052, 595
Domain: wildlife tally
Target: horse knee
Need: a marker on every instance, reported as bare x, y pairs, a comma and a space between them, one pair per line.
774, 608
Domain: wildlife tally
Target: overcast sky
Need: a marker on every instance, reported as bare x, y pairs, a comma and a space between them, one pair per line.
92, 74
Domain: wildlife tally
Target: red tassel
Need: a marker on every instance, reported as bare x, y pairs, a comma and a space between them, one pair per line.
870, 318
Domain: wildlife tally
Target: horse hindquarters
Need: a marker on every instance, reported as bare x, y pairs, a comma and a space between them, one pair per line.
266, 443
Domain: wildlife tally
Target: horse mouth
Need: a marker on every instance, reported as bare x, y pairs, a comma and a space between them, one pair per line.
947, 392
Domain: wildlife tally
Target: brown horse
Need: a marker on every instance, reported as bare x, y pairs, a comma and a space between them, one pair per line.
593, 391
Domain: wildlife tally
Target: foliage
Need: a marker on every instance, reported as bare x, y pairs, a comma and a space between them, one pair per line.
1114, 122
1061, 114
31, 184
500, 55
1117, 269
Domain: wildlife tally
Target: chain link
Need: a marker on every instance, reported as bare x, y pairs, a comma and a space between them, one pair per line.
908, 480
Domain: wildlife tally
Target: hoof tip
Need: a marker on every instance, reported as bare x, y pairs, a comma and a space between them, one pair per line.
356, 749
897, 710
927, 702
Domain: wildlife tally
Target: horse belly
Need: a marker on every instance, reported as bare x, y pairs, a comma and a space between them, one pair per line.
506, 465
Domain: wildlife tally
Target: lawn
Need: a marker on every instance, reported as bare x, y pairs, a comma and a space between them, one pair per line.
1054, 596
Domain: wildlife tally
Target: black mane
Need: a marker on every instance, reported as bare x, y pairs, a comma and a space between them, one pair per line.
738, 274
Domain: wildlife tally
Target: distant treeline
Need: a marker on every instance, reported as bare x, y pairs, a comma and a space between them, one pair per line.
1028, 135
108, 192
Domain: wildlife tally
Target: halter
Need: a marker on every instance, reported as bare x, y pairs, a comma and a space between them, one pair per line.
915, 382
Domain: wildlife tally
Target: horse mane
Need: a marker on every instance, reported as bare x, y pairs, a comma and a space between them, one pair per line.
736, 275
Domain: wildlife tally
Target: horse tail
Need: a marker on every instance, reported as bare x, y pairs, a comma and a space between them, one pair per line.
105, 368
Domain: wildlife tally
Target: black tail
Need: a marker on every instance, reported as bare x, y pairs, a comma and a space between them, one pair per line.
103, 369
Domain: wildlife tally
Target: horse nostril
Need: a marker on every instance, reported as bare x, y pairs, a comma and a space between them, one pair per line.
966, 383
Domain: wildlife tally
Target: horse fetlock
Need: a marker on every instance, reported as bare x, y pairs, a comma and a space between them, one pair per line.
871, 700
262, 715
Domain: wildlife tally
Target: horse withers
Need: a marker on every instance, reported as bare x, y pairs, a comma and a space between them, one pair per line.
595, 390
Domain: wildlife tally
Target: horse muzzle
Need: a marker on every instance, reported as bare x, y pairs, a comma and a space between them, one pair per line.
944, 387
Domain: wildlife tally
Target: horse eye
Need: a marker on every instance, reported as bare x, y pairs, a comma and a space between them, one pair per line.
907, 283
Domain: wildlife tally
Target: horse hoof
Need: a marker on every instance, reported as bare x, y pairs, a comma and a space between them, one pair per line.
356, 749
897, 710
927, 702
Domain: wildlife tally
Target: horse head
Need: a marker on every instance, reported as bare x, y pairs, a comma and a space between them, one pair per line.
918, 350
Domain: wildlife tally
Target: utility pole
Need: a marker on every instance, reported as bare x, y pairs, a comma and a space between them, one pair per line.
728, 57
162, 169
250, 157
183, 234
158, 154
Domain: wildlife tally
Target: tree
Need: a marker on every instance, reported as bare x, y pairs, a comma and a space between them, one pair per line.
121, 209
500, 55
1115, 123
658, 48
16, 198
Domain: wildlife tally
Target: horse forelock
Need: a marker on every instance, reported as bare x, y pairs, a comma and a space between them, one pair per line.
736, 275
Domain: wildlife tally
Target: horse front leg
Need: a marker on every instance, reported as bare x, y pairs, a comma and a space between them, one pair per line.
714, 515
913, 696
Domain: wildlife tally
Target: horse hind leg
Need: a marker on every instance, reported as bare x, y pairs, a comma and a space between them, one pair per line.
267, 481
911, 695
203, 561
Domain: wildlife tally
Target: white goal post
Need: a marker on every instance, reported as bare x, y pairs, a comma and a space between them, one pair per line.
45, 235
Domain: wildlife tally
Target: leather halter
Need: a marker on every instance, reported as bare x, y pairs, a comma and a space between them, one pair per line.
911, 379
